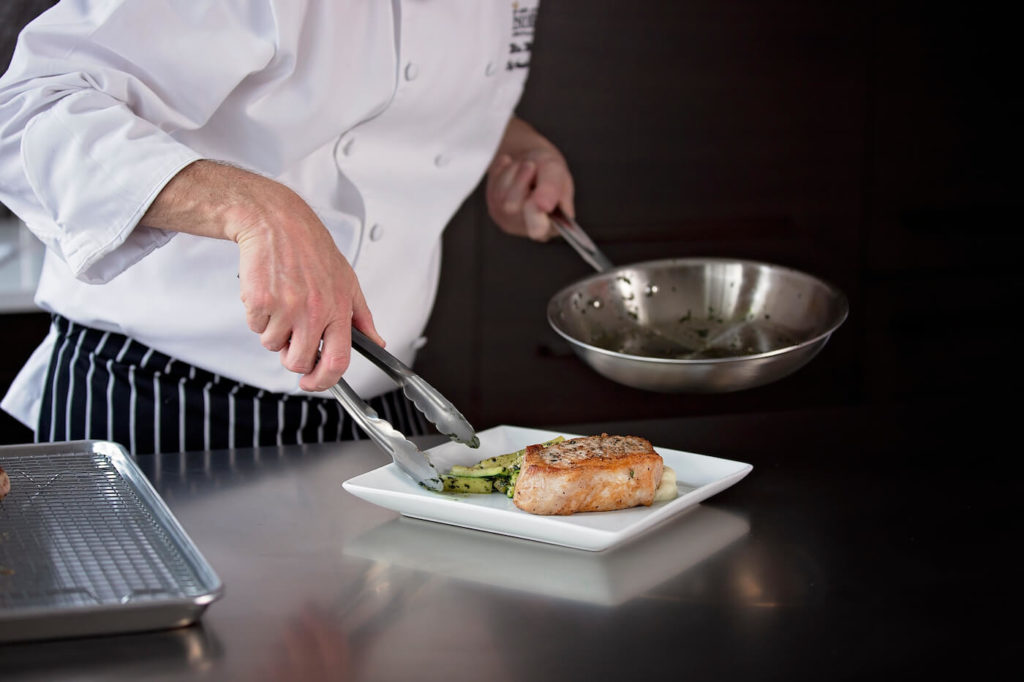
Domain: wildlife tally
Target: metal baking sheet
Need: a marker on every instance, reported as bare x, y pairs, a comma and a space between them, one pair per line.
88, 547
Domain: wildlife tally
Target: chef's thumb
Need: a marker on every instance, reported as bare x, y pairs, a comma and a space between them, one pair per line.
553, 188
538, 223
362, 319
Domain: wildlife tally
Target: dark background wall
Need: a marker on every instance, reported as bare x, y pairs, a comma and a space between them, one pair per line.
872, 144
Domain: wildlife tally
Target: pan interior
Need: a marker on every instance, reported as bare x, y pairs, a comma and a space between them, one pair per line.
692, 309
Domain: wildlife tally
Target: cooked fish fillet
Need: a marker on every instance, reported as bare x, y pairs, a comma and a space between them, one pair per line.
5, 483
592, 473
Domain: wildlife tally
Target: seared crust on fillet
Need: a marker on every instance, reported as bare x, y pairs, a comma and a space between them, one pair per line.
591, 473
5, 483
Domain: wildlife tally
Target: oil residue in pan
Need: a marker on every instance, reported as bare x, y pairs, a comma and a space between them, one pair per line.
701, 340
625, 316
686, 338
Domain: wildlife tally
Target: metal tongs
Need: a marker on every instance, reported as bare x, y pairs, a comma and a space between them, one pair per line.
571, 231
437, 409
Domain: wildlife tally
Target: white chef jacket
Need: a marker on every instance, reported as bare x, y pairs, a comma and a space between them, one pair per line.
381, 114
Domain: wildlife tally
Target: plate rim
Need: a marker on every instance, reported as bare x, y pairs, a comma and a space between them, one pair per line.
585, 537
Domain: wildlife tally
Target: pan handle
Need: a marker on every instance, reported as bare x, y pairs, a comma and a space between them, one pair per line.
579, 240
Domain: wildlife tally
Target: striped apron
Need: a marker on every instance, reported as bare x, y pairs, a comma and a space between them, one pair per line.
106, 386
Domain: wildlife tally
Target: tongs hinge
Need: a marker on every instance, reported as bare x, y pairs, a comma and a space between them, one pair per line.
435, 408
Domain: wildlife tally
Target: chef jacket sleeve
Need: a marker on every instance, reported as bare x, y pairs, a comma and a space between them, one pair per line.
90, 108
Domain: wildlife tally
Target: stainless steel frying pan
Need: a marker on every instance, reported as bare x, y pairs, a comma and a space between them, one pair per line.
692, 325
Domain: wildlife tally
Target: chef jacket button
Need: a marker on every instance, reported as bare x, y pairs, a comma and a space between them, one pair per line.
441, 160
376, 232
411, 71
491, 69
348, 146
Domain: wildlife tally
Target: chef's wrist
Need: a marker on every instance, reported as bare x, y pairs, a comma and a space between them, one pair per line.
521, 139
231, 197
210, 199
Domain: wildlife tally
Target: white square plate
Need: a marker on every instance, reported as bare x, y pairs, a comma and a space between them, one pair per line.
698, 478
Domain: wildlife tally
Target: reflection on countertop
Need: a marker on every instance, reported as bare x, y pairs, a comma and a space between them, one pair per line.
183, 650
604, 578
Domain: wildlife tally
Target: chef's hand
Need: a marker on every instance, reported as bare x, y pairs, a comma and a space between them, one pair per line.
297, 288
527, 179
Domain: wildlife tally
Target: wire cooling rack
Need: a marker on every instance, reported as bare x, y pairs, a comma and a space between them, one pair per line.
87, 546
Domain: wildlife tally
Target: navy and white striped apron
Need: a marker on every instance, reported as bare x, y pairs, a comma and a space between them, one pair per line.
107, 386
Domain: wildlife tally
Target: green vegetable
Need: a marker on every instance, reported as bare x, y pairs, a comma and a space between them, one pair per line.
500, 461
467, 484
476, 471
512, 484
494, 474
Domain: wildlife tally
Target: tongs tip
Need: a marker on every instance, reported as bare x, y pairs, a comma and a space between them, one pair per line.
433, 484
470, 441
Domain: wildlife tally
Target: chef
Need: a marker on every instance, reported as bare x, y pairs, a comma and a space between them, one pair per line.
226, 187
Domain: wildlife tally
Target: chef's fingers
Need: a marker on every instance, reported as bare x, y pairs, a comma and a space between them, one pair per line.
538, 223
501, 181
498, 167
500, 177
258, 306
335, 355
275, 336
362, 319
568, 206
301, 355
519, 189
258, 321
553, 188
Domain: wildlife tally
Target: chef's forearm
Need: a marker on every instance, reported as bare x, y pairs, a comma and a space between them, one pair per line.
212, 199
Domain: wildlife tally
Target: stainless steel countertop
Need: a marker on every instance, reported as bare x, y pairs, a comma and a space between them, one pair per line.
841, 556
